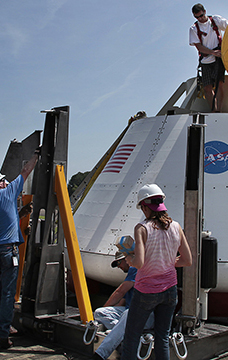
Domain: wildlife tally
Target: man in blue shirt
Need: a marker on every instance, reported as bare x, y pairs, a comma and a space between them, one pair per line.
109, 315
10, 238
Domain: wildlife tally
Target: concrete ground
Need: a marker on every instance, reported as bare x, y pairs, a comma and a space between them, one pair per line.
27, 347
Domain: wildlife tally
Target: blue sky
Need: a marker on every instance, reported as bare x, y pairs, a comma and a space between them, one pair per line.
106, 59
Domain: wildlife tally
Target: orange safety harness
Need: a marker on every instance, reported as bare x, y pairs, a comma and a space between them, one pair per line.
202, 33
199, 72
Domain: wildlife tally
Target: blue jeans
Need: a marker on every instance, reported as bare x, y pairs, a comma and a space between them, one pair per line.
114, 338
9, 274
109, 316
163, 304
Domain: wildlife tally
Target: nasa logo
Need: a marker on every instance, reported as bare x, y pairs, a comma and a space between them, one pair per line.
215, 157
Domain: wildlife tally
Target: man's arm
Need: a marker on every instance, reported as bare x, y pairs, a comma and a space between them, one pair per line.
29, 166
119, 293
25, 210
204, 50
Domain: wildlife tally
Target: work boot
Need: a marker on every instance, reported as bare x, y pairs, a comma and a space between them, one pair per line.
96, 357
5, 343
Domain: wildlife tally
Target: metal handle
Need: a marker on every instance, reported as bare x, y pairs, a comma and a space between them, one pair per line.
146, 339
91, 325
177, 339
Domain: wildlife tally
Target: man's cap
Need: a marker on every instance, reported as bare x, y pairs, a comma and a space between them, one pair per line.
2, 176
118, 256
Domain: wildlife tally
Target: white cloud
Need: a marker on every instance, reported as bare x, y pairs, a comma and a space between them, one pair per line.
15, 37
98, 102
54, 5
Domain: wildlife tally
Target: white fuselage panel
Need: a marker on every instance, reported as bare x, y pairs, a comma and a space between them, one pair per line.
152, 151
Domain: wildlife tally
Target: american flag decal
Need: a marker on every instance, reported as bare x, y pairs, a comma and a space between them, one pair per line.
119, 158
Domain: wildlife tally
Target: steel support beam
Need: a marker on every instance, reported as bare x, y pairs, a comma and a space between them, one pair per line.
44, 292
193, 217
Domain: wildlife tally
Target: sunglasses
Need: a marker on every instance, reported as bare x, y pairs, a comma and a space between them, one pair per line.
197, 17
119, 262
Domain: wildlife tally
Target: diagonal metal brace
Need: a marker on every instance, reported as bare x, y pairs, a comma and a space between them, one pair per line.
79, 279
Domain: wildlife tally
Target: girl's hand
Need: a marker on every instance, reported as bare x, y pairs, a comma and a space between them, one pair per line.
129, 259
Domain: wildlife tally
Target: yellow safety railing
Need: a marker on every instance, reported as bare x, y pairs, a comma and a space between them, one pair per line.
74, 254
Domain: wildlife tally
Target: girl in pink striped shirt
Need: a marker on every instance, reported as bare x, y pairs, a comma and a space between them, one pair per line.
158, 239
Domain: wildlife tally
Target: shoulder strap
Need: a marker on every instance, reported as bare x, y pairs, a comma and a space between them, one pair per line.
215, 28
200, 33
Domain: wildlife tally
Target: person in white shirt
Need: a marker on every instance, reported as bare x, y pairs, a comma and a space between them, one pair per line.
205, 34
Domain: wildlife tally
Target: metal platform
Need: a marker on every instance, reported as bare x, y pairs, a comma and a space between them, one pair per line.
30, 346
63, 334
209, 342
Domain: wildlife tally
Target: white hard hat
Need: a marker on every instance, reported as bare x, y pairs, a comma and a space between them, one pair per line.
147, 191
